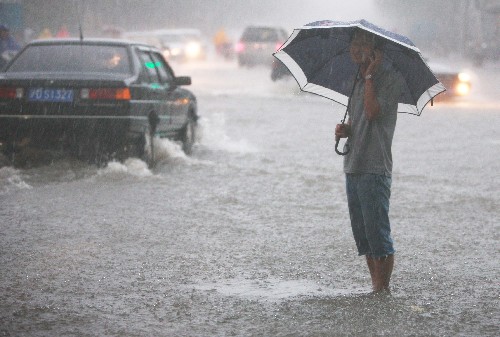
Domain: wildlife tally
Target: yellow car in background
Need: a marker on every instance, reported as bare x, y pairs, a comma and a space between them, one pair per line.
457, 83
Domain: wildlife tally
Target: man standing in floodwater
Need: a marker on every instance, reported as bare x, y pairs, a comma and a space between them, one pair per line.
368, 164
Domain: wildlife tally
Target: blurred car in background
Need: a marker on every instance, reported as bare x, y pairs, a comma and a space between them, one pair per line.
95, 99
457, 83
176, 44
111, 32
145, 37
258, 43
279, 71
183, 44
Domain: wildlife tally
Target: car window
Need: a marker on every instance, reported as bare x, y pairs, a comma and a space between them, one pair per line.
73, 58
164, 71
261, 34
148, 68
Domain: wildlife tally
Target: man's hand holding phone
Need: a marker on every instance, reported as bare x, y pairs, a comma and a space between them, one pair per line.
376, 58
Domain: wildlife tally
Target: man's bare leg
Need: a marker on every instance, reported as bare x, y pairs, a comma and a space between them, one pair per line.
380, 271
371, 268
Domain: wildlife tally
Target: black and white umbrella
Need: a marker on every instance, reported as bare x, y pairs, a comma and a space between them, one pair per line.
317, 55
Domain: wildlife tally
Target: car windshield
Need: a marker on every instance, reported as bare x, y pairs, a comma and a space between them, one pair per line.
261, 34
71, 58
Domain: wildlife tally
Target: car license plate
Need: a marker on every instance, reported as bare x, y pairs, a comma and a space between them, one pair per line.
50, 95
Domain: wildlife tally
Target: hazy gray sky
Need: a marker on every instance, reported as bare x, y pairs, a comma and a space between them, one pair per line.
207, 15
295, 13
313, 10
292, 14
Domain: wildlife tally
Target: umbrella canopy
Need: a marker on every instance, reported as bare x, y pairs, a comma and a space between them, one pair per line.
318, 57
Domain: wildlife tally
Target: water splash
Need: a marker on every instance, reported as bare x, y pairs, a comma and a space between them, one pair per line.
214, 136
11, 178
131, 166
166, 150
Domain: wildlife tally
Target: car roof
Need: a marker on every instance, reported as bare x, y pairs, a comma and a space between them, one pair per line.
90, 41
154, 32
263, 26
178, 31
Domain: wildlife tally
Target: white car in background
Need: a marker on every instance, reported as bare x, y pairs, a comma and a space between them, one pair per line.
183, 44
176, 44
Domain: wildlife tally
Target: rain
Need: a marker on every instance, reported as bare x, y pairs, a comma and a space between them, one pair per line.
249, 235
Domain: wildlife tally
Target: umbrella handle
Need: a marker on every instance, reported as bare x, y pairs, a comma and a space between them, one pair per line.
337, 140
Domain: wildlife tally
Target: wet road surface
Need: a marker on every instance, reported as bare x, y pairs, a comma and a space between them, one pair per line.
250, 235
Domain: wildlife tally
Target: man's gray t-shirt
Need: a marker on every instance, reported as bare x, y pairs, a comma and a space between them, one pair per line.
370, 141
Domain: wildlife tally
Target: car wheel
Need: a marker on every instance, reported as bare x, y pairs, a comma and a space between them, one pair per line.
142, 147
148, 147
188, 135
242, 63
148, 136
275, 75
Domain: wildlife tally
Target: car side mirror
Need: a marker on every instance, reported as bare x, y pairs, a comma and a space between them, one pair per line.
182, 80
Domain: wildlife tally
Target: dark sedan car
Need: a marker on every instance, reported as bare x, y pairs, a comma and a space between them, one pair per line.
96, 99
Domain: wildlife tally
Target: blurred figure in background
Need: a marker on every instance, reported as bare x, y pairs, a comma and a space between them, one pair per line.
113, 32
28, 35
62, 32
223, 45
45, 34
8, 46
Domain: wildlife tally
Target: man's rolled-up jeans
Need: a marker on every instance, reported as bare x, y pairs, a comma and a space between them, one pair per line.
368, 200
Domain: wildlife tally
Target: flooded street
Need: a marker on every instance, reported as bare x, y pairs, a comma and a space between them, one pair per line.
250, 235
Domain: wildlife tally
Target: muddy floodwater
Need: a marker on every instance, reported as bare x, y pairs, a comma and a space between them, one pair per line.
250, 235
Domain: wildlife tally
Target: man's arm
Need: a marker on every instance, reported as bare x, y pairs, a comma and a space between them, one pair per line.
372, 106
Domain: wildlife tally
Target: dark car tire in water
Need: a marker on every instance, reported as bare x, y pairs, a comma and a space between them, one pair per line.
148, 148
275, 75
142, 147
188, 135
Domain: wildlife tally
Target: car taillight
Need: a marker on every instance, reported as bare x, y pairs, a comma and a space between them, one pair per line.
11, 92
106, 93
240, 47
278, 46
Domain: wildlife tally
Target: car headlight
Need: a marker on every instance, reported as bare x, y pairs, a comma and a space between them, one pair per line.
462, 88
175, 51
193, 50
464, 77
